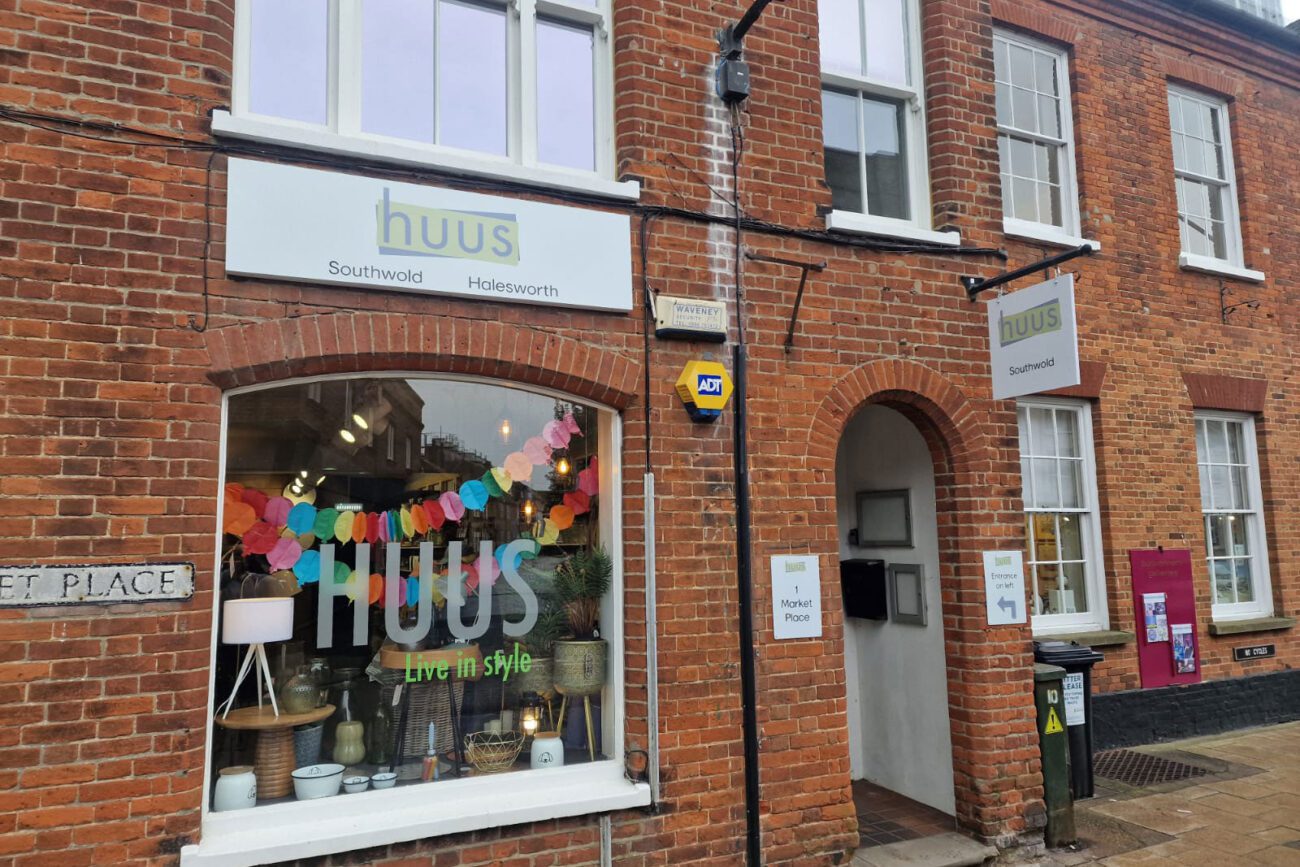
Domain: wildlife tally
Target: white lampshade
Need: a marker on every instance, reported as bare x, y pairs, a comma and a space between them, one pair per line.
256, 621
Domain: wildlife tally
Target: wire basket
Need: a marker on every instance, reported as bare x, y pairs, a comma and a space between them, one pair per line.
490, 752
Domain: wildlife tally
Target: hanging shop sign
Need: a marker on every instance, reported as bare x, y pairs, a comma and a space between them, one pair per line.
91, 583
288, 222
705, 388
796, 597
1004, 587
690, 319
1034, 339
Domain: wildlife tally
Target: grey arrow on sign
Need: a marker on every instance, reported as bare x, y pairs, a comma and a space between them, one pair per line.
1004, 603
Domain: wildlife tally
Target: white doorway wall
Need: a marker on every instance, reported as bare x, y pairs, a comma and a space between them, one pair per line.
897, 673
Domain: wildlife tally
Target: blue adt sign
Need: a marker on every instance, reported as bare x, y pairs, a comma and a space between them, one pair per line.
709, 384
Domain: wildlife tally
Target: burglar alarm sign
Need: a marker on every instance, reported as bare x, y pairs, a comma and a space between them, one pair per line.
705, 388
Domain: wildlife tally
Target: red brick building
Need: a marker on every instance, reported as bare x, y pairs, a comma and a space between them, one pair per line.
197, 370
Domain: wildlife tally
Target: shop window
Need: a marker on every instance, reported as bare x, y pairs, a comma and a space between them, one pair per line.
1035, 138
872, 116
1236, 548
526, 83
455, 631
1203, 175
1061, 522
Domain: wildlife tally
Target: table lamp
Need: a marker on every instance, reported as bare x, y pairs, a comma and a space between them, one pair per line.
255, 622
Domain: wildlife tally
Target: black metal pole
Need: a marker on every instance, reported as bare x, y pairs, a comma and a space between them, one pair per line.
975, 285
744, 577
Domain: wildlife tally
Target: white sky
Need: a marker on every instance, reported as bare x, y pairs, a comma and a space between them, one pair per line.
1290, 10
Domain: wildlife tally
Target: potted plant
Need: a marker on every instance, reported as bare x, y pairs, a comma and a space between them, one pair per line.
540, 643
580, 583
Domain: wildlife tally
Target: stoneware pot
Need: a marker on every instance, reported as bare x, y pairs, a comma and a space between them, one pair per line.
306, 744
317, 781
236, 789
580, 666
539, 678
547, 751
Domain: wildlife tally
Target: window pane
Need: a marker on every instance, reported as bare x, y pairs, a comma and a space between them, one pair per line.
1024, 109
1022, 66
1221, 486
566, 120
1240, 495
1074, 589
1071, 484
1207, 501
1236, 451
471, 77
1202, 451
1004, 107
289, 59
397, 68
886, 159
886, 41
1221, 572
1045, 549
1220, 536
840, 29
1238, 535
1045, 483
841, 129
1244, 584
1218, 218
1071, 537
1045, 73
1049, 116
1217, 432
458, 548
1042, 431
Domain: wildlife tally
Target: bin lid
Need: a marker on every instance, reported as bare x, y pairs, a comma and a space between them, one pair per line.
1069, 654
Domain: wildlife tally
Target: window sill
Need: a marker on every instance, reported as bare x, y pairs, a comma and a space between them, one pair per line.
1253, 624
1092, 638
864, 224
1041, 234
345, 823
270, 132
1208, 265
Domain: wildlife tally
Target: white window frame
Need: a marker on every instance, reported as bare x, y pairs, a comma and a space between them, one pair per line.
342, 134
1257, 530
1233, 265
1069, 234
1097, 617
920, 226
307, 829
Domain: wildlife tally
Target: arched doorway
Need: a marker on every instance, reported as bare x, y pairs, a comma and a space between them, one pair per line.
896, 664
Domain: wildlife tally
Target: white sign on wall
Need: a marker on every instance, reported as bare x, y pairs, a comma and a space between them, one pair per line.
22, 586
1034, 340
1004, 587
796, 596
328, 227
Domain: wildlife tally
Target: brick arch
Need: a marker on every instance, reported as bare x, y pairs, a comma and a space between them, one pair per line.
358, 342
980, 660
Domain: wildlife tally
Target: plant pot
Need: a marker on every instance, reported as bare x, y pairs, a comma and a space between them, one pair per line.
539, 678
307, 743
580, 666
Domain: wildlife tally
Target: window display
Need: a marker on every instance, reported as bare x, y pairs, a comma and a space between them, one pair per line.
446, 593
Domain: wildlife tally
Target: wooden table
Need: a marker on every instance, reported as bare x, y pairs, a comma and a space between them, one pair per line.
273, 760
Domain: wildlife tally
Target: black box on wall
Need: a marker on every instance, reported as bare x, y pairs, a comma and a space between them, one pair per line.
863, 584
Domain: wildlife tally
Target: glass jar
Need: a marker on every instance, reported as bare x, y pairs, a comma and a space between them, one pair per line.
380, 736
300, 693
319, 671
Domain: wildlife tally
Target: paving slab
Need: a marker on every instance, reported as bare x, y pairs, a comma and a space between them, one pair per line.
942, 850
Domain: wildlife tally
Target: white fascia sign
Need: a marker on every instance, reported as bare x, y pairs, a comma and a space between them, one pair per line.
1034, 339
292, 223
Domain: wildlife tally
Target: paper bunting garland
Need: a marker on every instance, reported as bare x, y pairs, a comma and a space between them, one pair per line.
308, 567
323, 526
277, 511
256, 499
419, 520
452, 507
384, 527
578, 501
408, 525
343, 526
589, 479
550, 533
473, 495
376, 588
537, 450
502, 479
500, 555
284, 555
238, 518
556, 434
302, 518
571, 424
234, 492
562, 516
519, 467
433, 509
487, 571
341, 573
260, 538
372, 527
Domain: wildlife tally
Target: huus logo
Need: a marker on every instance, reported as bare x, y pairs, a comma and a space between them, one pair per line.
409, 230
1043, 319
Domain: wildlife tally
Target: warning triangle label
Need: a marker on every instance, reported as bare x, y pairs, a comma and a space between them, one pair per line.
1053, 726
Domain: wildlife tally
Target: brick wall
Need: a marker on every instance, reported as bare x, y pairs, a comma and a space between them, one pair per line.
109, 402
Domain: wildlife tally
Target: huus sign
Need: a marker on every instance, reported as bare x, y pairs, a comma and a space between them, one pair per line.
329, 227
1033, 339
393, 585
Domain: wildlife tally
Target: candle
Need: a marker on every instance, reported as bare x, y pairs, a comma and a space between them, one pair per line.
493, 727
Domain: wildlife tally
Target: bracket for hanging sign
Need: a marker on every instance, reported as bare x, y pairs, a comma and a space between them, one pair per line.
976, 285
798, 298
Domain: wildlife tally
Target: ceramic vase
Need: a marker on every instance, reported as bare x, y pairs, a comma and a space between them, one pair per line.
580, 666
236, 789
349, 743
547, 751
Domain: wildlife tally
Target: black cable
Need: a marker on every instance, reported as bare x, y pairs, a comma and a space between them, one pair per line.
192, 322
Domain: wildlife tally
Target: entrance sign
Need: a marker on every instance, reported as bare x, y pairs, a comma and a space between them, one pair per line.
94, 583
1004, 587
796, 597
1034, 340
328, 227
